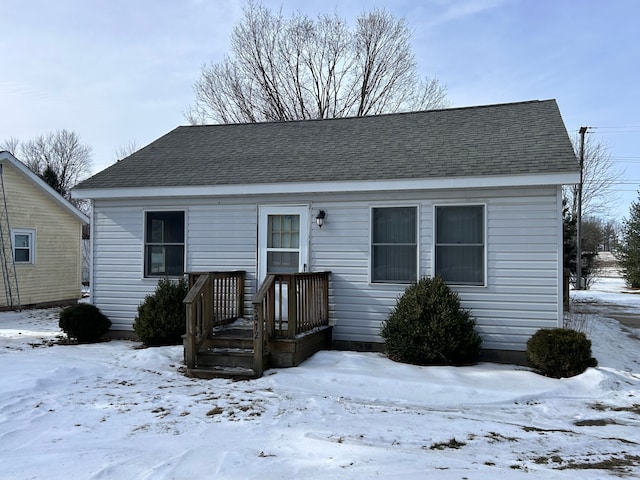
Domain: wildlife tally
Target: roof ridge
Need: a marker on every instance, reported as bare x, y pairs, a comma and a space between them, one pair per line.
353, 117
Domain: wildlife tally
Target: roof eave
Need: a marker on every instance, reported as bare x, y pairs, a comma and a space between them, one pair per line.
498, 181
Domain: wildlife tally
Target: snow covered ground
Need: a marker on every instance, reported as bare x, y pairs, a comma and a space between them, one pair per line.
116, 411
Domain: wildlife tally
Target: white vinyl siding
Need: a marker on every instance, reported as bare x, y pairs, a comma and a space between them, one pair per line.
220, 237
523, 248
223, 237
522, 239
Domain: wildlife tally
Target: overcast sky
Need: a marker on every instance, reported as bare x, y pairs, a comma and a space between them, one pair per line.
122, 71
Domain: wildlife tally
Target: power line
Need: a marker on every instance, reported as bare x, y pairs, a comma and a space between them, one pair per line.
618, 129
621, 131
620, 126
619, 182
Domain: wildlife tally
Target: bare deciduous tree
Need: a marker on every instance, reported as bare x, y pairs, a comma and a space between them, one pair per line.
58, 157
298, 68
10, 145
599, 177
123, 151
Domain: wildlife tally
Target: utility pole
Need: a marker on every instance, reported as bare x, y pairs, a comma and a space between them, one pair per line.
582, 131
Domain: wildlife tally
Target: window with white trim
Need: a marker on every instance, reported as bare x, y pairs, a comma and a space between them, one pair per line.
23, 242
394, 246
460, 244
164, 244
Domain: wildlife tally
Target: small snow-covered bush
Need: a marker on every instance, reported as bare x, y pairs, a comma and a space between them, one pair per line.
161, 318
428, 327
559, 352
84, 322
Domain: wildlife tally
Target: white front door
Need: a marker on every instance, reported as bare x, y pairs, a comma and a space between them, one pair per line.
283, 240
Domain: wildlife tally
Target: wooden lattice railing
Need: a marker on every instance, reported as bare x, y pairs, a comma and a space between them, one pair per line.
214, 299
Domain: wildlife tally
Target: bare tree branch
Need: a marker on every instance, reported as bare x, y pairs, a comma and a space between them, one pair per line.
286, 69
123, 151
600, 175
10, 145
58, 157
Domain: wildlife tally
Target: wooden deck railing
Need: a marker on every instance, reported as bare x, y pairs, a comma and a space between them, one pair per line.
288, 305
214, 298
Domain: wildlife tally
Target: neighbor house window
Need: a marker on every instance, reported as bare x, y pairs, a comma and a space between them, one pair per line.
164, 244
394, 247
23, 242
460, 257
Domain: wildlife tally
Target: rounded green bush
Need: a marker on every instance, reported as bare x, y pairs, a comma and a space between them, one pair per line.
84, 322
428, 327
559, 352
161, 318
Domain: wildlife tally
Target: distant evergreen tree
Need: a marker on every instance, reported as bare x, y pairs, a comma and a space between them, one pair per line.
570, 247
628, 248
569, 234
50, 176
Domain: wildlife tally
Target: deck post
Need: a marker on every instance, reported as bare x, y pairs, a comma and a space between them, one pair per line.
292, 310
190, 341
258, 339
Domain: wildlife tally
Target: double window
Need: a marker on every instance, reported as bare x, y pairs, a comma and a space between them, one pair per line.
459, 236
23, 243
394, 244
459, 249
164, 244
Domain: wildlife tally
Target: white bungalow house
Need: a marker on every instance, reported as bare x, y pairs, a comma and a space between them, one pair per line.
471, 194
41, 235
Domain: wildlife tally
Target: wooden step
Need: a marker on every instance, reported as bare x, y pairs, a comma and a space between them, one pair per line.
225, 357
228, 340
235, 373
237, 335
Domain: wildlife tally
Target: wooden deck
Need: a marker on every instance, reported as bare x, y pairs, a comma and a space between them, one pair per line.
290, 323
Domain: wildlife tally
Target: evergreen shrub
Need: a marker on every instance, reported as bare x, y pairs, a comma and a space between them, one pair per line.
161, 318
559, 352
84, 322
428, 327
627, 248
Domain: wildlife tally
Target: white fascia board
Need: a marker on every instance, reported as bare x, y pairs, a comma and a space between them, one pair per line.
332, 187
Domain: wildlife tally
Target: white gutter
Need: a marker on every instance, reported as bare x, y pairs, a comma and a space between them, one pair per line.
566, 178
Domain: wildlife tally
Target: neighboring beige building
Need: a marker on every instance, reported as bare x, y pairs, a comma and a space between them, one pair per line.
43, 241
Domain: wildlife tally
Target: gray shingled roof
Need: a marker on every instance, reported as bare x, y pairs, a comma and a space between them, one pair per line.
515, 138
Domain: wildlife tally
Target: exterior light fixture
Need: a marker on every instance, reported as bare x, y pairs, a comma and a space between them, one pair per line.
320, 218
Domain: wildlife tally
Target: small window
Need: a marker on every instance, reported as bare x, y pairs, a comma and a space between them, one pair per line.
394, 247
164, 244
23, 242
460, 244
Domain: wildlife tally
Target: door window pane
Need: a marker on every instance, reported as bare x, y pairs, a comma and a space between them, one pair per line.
282, 262
284, 231
283, 244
